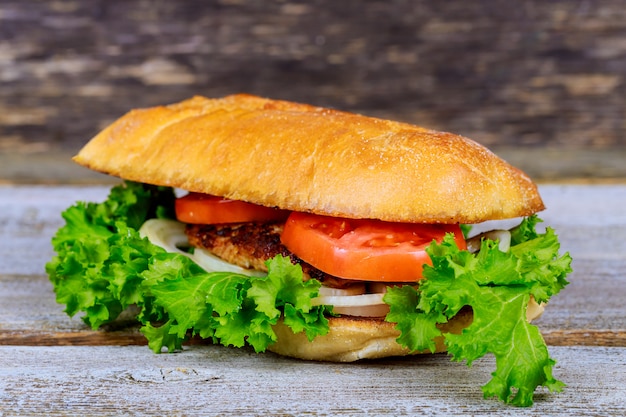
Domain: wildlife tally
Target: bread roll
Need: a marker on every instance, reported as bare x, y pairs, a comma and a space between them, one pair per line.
305, 158
352, 338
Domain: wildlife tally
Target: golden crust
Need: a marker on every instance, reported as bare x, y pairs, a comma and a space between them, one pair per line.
305, 158
351, 338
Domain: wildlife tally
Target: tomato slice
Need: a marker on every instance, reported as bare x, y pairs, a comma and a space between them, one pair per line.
200, 208
368, 250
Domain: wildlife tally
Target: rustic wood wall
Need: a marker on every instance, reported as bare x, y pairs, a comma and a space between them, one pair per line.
530, 74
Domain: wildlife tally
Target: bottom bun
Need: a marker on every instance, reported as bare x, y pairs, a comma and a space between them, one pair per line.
352, 338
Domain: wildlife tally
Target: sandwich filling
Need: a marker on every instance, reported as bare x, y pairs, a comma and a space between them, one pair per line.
355, 260
247, 246
251, 245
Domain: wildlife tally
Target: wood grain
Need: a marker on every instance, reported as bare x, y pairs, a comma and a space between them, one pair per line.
209, 380
540, 74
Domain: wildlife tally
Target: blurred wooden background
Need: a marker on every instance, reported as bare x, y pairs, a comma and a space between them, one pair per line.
543, 83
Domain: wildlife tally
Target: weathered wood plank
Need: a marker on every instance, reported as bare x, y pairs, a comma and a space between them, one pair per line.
207, 380
540, 74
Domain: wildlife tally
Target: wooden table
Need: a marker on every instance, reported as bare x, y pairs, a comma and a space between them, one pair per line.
53, 365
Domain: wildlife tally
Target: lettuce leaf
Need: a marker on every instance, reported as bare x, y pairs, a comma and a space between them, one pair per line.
100, 254
103, 267
497, 286
230, 308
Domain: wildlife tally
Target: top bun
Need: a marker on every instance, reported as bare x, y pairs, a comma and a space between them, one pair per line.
306, 158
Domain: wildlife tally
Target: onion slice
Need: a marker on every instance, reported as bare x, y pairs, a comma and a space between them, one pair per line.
349, 300
363, 305
168, 234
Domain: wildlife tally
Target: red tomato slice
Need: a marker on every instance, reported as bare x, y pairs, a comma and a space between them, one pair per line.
199, 208
368, 250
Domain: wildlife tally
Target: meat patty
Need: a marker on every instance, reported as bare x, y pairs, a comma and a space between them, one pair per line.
249, 245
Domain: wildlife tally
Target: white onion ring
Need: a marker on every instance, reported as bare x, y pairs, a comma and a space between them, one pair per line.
364, 305
349, 300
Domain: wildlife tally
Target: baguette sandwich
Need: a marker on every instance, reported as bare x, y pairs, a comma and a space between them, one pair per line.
313, 233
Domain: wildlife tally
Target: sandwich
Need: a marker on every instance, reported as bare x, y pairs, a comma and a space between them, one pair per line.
312, 233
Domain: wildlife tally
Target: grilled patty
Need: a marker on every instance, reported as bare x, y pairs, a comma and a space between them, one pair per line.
249, 245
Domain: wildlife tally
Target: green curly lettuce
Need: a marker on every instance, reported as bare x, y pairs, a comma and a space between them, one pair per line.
103, 267
229, 308
99, 252
498, 287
